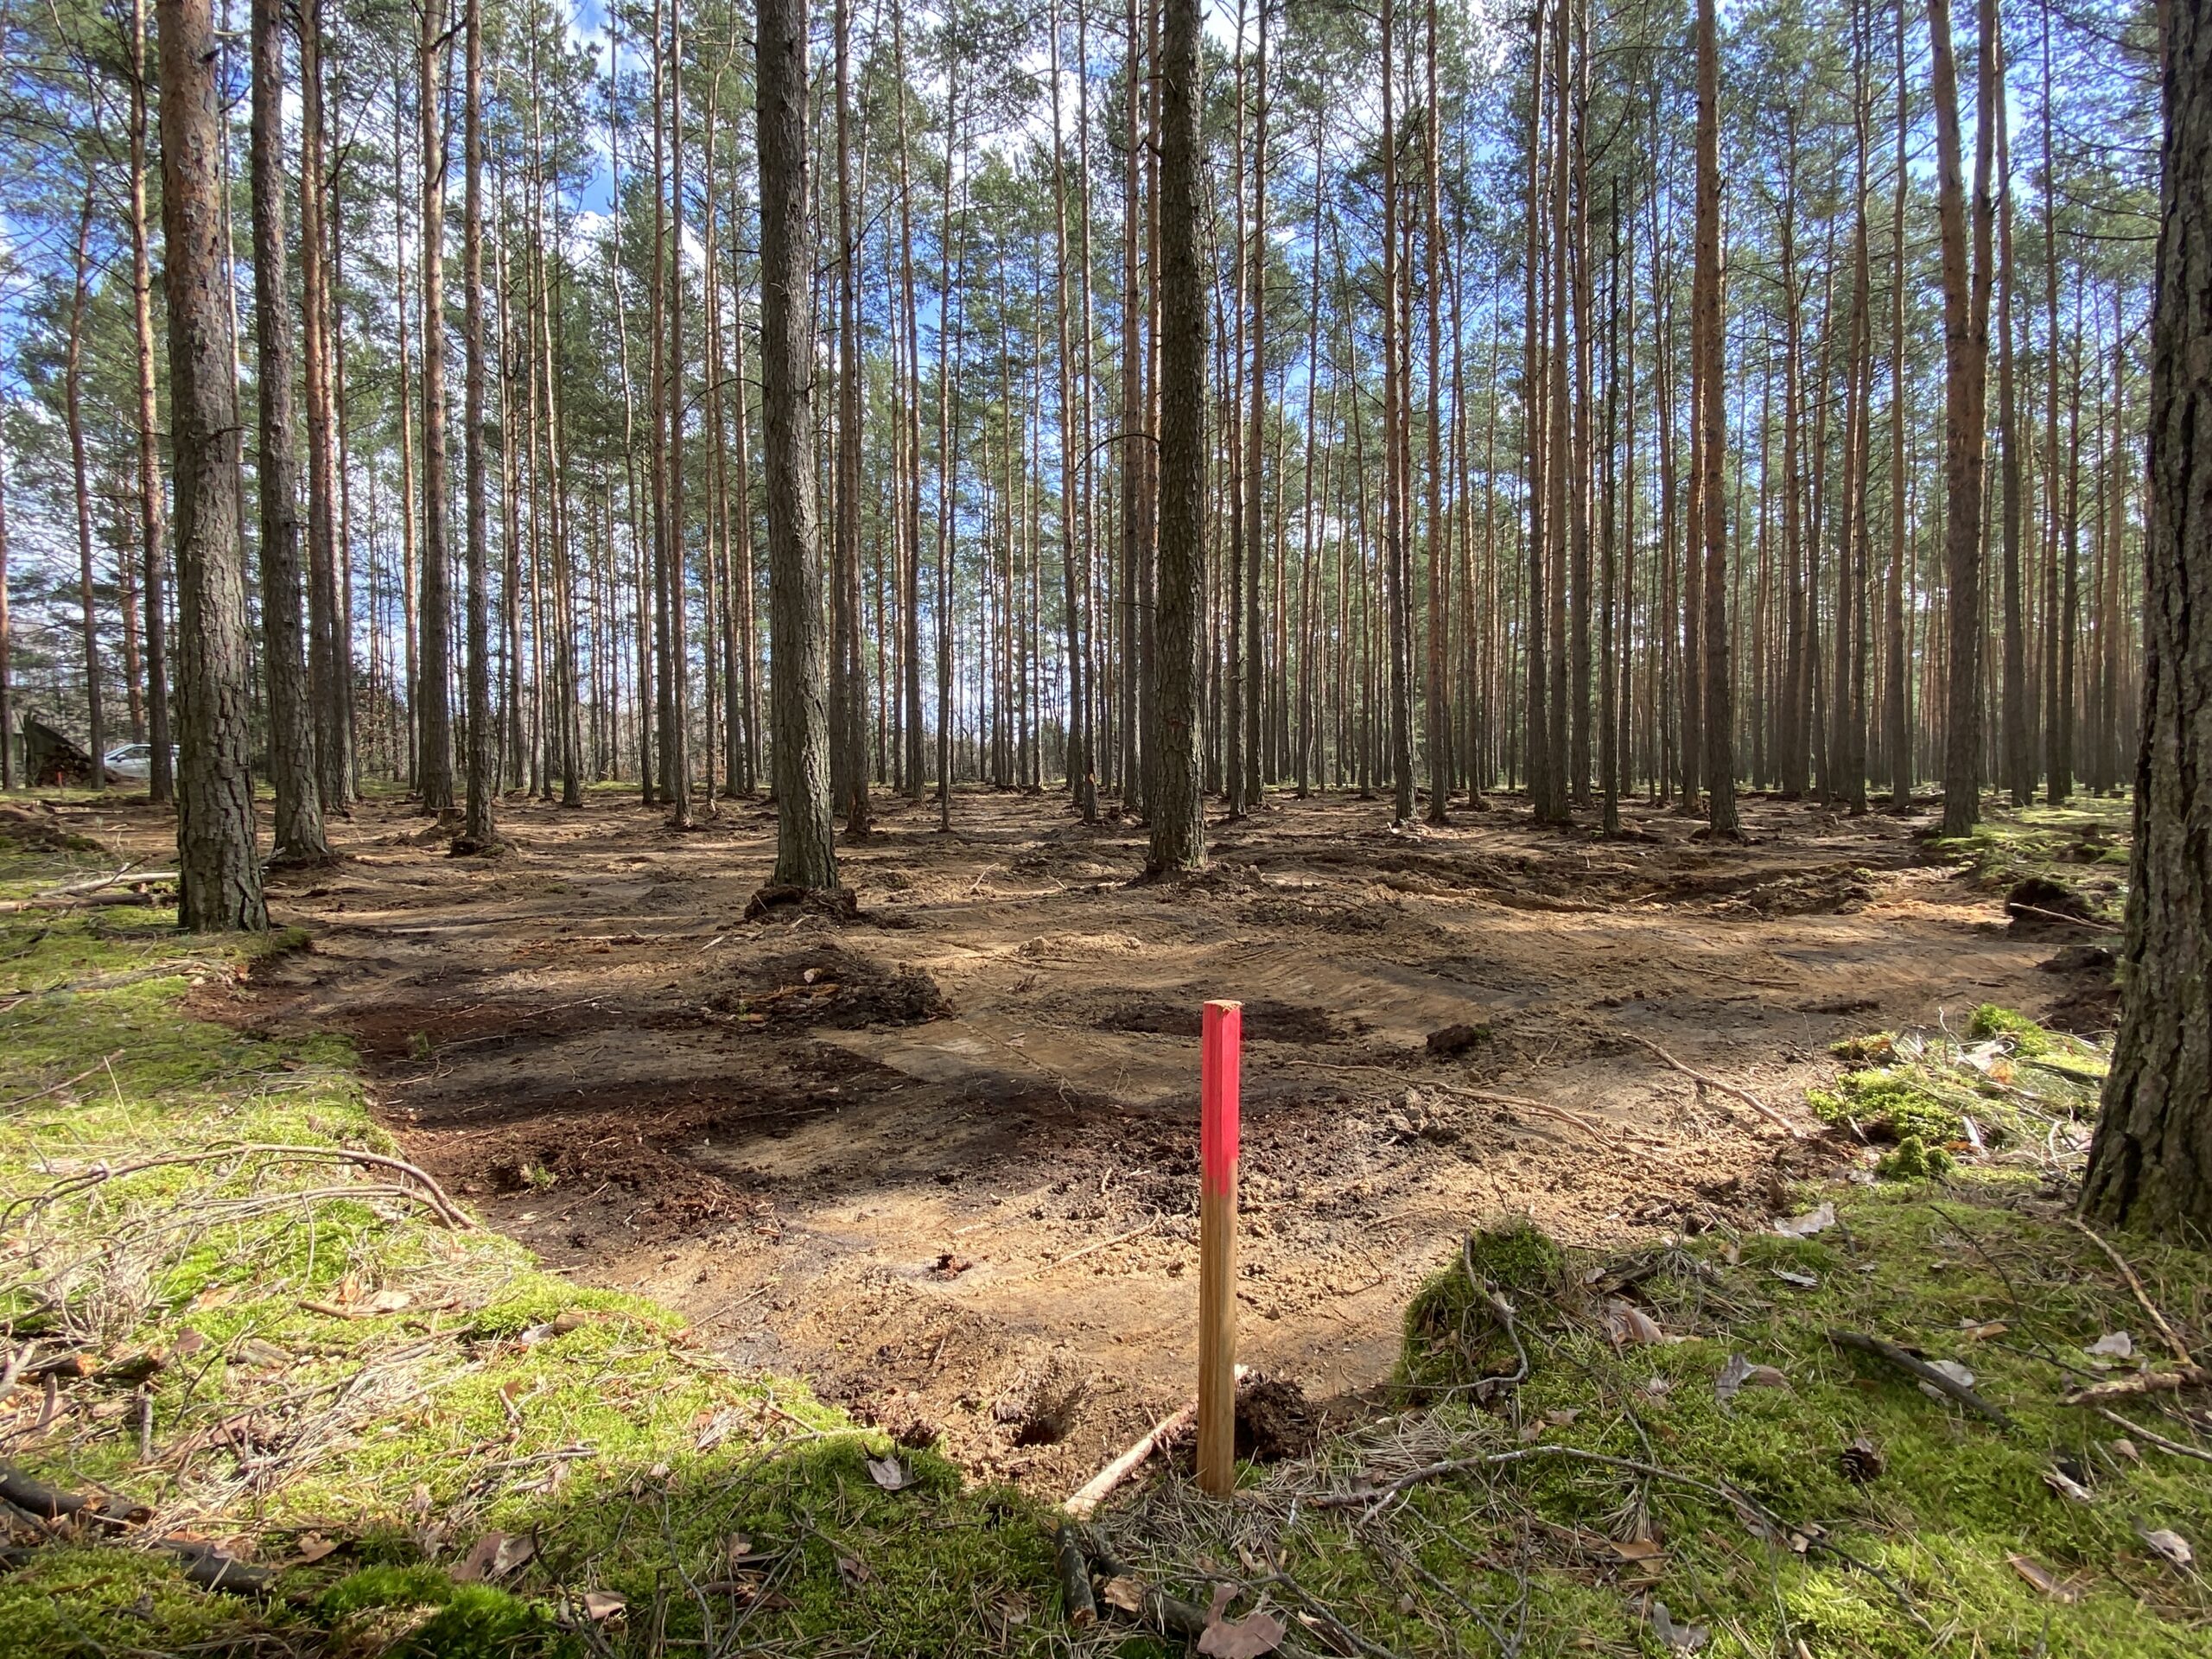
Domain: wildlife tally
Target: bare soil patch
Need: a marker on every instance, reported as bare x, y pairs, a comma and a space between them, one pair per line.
941, 1159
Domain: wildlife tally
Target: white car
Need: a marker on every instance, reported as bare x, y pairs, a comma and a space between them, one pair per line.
133, 763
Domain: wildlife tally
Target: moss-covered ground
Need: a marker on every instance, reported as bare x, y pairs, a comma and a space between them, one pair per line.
297, 1359
2082, 845
1772, 1490
294, 1358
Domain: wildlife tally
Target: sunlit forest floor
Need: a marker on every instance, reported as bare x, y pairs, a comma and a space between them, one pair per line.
797, 1240
942, 1162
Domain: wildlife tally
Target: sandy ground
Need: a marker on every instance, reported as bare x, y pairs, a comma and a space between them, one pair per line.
941, 1160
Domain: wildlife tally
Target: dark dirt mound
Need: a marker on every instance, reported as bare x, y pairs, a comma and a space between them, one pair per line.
1266, 1020
35, 829
1457, 1039
1274, 1419
2039, 905
832, 987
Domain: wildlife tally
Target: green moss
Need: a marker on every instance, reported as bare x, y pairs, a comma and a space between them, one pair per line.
2028, 1038
1887, 1105
468, 1410
1956, 1499
1453, 1337
1875, 1048
1914, 1159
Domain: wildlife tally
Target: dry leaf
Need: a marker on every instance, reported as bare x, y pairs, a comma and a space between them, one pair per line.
1984, 1330
1679, 1638
1803, 1281
890, 1474
388, 1301
1637, 1549
2172, 1546
1124, 1592
1627, 1323
1730, 1378
2124, 1447
2066, 1486
854, 1570
492, 1556
2114, 1345
1805, 1226
1952, 1369
2041, 1577
313, 1547
1249, 1638
602, 1605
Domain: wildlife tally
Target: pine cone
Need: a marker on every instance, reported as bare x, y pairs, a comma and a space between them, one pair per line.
1861, 1461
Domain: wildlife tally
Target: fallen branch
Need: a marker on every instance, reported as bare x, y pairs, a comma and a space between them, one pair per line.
1487, 1390
2015, 909
1076, 1600
202, 1563
56, 1088
2175, 1346
432, 1193
1087, 1498
2159, 1441
101, 892
1743, 1095
2139, 1383
1922, 1370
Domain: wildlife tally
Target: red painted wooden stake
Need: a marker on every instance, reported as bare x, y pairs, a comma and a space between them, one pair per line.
1220, 1044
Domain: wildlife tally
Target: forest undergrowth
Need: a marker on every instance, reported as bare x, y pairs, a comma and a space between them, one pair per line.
272, 1362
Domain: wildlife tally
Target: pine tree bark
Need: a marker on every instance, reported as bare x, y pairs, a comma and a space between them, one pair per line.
329, 669
848, 665
2020, 742
434, 707
1966, 359
161, 785
73, 399
1719, 715
2151, 1164
479, 834
1896, 700
806, 854
299, 834
218, 879
1178, 840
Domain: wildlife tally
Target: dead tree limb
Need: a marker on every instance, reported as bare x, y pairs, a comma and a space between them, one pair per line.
1921, 1370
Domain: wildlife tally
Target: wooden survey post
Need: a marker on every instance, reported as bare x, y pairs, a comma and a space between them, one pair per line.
1220, 1040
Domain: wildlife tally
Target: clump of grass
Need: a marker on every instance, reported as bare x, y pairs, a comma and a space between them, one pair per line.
1887, 1105
1735, 1506
2028, 1093
2026, 1038
286, 1401
1914, 1159
1454, 1336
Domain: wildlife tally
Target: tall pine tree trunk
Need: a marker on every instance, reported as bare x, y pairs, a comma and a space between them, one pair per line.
2150, 1165
478, 832
433, 702
218, 877
1966, 359
806, 854
161, 785
299, 834
1718, 712
1178, 841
